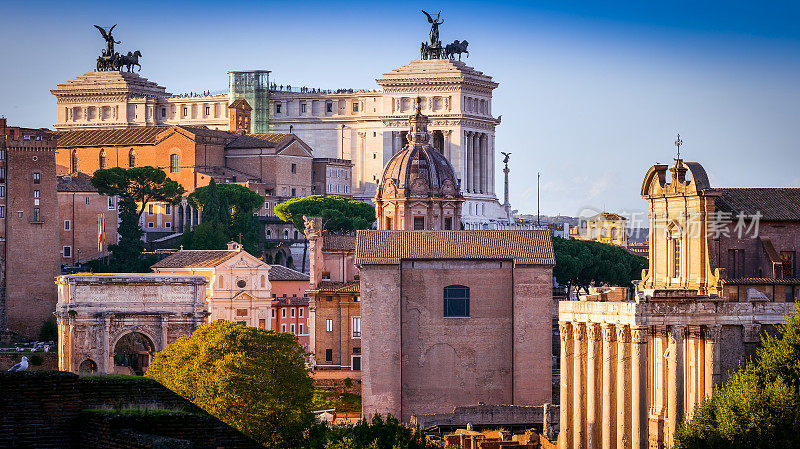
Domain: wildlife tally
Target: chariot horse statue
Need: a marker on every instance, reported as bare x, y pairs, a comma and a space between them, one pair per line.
456, 48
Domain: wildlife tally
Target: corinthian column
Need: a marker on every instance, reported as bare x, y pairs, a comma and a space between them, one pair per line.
639, 387
578, 387
623, 388
609, 392
469, 160
476, 156
593, 392
565, 382
675, 379
712, 358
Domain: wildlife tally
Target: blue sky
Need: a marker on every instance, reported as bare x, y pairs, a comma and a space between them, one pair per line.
591, 93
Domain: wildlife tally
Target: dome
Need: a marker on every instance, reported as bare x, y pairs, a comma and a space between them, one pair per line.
419, 169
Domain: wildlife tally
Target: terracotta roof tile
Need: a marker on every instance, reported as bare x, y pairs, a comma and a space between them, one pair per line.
760, 281
390, 247
281, 273
774, 204
293, 301
201, 258
338, 287
265, 140
79, 182
335, 242
145, 135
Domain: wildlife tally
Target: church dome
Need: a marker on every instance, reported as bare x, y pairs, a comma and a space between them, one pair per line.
419, 169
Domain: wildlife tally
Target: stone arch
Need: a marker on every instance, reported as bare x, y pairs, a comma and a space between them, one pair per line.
132, 158
133, 352
102, 160
87, 366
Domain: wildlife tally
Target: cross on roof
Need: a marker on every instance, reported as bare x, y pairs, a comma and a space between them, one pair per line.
678, 144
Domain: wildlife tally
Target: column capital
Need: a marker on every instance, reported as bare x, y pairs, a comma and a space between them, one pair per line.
565, 330
676, 334
608, 332
695, 331
578, 331
639, 333
593, 331
623, 334
713, 332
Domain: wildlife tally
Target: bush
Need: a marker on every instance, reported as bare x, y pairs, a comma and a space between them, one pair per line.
49, 331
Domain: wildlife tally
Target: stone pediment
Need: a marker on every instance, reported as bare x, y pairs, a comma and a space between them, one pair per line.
295, 149
243, 260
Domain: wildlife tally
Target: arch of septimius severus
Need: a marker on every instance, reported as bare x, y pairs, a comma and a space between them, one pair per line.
366, 126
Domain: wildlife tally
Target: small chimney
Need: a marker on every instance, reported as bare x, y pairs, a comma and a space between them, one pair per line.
234, 246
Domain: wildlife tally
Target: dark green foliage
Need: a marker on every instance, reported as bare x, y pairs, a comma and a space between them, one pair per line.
759, 406
36, 360
338, 214
581, 263
378, 434
227, 214
49, 331
135, 187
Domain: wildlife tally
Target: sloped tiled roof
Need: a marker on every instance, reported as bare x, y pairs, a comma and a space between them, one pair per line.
333, 242
145, 135
760, 281
79, 182
292, 301
338, 287
200, 258
774, 204
265, 140
281, 273
607, 216
390, 247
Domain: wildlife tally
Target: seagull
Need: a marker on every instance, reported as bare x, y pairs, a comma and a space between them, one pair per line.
21, 366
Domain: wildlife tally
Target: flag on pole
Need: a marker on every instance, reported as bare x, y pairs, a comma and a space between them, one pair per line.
101, 232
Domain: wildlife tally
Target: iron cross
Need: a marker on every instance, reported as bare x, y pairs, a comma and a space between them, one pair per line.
678, 144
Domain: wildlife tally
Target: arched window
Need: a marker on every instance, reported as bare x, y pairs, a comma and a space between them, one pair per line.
74, 161
286, 234
132, 159
456, 301
269, 233
674, 234
174, 163
263, 281
103, 161
593, 233
603, 232
219, 281
613, 233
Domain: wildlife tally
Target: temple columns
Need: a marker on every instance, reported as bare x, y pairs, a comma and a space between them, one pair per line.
623, 387
477, 166
594, 395
639, 387
579, 388
675, 380
609, 363
712, 358
565, 382
469, 160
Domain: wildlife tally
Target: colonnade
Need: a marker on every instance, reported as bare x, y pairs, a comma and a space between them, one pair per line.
479, 172
616, 379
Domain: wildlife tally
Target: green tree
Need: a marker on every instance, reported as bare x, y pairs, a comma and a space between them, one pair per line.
340, 215
252, 379
759, 405
377, 434
580, 263
135, 187
228, 212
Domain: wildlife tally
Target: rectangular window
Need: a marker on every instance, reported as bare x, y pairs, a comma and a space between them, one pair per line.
273, 310
790, 293
735, 266
151, 209
328, 325
2, 174
300, 329
36, 194
2, 191
300, 312
419, 223
277, 108
328, 107
292, 312
448, 223
241, 312
208, 111
37, 217
185, 112
329, 355
67, 251
262, 324
294, 168
356, 327
67, 225
294, 192
174, 164
456, 301
389, 223
2, 212
36, 178
787, 260
86, 200
283, 313
163, 112
291, 328
112, 203
355, 107
168, 224
167, 209
302, 108
2, 155
283, 328
151, 225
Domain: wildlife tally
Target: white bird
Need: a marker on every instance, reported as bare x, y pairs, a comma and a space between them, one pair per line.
21, 366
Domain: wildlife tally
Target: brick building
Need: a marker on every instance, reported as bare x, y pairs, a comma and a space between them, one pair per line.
332, 177
334, 299
87, 220
454, 318
289, 302
29, 238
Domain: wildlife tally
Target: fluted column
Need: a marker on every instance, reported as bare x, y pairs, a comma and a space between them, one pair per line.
712, 358
695, 368
484, 172
578, 387
566, 385
639, 387
594, 396
623, 387
609, 393
469, 160
476, 164
675, 381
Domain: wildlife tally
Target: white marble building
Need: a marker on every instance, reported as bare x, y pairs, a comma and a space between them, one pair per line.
366, 127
